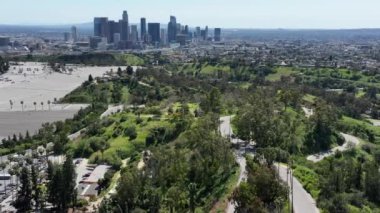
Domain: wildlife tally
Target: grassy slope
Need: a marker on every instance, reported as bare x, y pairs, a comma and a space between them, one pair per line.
355, 77
131, 59
280, 71
355, 125
122, 145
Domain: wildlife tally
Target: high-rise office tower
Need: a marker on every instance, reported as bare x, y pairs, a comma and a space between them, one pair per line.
74, 34
217, 34
124, 27
172, 29
203, 34
164, 38
125, 16
154, 32
66, 36
101, 26
206, 33
112, 29
134, 33
179, 28
198, 32
143, 29
124, 30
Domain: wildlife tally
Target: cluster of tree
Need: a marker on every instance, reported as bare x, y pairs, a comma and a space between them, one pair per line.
61, 192
31, 194
85, 148
266, 122
92, 93
54, 132
4, 66
59, 189
262, 192
178, 177
345, 101
98, 59
348, 180
322, 128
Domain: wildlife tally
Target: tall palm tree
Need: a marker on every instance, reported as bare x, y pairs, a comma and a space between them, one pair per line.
49, 102
42, 105
35, 106
11, 103
22, 105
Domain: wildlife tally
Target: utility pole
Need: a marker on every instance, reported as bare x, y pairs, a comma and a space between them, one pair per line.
287, 183
291, 173
290, 176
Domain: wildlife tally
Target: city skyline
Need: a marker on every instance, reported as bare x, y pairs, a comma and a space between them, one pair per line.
323, 14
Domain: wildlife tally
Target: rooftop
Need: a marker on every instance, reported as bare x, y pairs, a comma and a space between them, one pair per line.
97, 174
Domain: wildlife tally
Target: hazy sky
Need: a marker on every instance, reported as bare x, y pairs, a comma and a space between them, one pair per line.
223, 13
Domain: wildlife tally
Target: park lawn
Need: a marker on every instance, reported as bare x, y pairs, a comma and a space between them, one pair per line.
192, 107
355, 77
212, 69
280, 71
131, 59
309, 98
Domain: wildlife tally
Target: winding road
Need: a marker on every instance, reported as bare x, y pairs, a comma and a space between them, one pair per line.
303, 202
350, 141
226, 131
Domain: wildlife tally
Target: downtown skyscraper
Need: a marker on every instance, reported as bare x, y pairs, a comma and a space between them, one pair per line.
124, 27
154, 32
172, 29
101, 26
124, 36
143, 34
217, 34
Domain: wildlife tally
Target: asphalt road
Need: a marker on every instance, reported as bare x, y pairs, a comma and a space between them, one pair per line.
350, 140
226, 131
303, 202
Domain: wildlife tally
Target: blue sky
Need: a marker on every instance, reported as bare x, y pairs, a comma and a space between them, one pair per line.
215, 13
